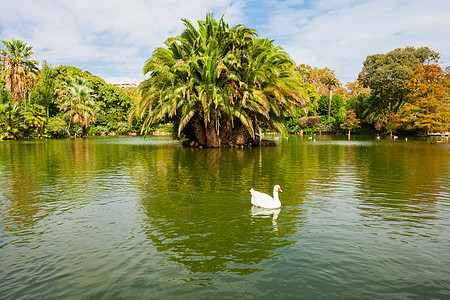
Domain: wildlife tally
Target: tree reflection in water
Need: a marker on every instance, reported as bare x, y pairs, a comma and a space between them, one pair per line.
197, 212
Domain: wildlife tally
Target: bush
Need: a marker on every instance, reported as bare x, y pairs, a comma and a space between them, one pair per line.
11, 123
35, 120
97, 130
57, 127
168, 127
327, 125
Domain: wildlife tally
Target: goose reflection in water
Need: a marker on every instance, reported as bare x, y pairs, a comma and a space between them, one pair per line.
261, 212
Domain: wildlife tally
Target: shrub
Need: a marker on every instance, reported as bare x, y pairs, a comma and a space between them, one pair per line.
35, 120
57, 127
11, 123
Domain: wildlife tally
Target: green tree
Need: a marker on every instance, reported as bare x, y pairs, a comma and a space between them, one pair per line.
336, 104
18, 69
11, 122
57, 127
388, 75
357, 103
45, 88
330, 82
5, 96
76, 102
35, 120
113, 102
390, 122
219, 84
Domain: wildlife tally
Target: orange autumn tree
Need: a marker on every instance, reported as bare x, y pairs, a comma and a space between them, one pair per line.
350, 121
428, 107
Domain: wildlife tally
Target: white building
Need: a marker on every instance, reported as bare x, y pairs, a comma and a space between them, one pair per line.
125, 83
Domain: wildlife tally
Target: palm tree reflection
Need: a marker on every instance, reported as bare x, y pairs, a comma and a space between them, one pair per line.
196, 212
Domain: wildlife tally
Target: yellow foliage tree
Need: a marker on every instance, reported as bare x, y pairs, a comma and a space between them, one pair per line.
428, 107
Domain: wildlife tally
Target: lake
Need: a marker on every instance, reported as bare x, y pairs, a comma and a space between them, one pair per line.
135, 218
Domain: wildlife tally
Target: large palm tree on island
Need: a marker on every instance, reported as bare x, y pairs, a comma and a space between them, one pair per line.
18, 69
219, 85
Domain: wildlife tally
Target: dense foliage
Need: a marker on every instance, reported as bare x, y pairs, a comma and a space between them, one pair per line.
394, 91
63, 101
219, 85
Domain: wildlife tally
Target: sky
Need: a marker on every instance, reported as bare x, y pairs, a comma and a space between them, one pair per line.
113, 38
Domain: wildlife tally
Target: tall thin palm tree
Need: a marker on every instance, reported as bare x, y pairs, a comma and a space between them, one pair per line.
18, 69
218, 83
330, 82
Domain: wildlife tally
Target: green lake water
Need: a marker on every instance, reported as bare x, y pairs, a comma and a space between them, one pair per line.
135, 218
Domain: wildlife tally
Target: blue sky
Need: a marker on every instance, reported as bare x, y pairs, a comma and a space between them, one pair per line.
113, 38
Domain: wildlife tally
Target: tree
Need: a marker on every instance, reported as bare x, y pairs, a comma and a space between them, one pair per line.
45, 87
390, 122
18, 69
357, 103
330, 82
350, 121
76, 102
336, 104
355, 88
35, 120
317, 77
11, 122
219, 85
113, 102
5, 96
428, 107
388, 75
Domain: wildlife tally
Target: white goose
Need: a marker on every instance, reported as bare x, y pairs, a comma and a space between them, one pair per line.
264, 200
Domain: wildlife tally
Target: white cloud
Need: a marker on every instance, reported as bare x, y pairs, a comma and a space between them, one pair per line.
113, 38
341, 34
107, 38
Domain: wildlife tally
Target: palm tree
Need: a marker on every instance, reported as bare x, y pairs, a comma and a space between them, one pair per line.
76, 102
18, 69
218, 83
11, 123
330, 82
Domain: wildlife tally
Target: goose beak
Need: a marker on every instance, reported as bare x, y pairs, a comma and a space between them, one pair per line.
279, 189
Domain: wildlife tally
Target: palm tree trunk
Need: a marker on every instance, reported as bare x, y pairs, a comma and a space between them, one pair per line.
199, 131
242, 135
16, 101
68, 127
212, 138
330, 97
